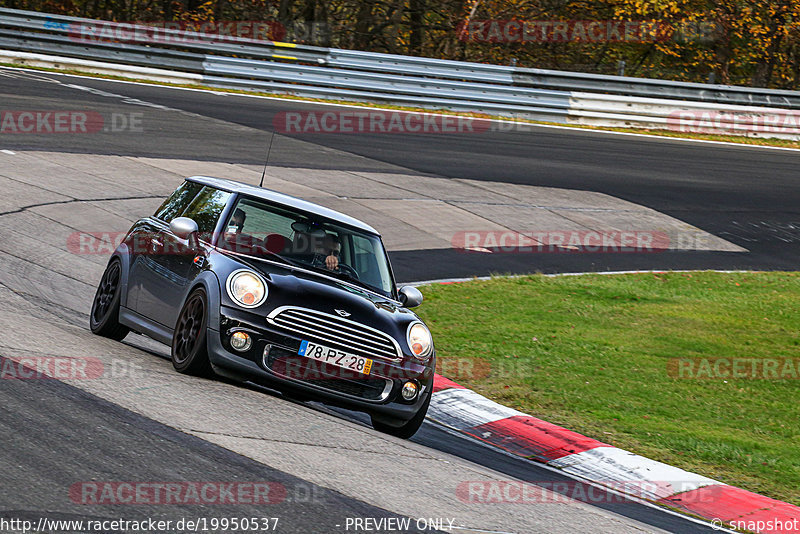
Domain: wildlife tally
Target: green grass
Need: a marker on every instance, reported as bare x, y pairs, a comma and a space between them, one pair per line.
591, 353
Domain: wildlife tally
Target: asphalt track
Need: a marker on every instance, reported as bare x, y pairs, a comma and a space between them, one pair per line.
745, 195
67, 433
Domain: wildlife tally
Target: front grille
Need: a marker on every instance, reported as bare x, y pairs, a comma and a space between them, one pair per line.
341, 333
288, 364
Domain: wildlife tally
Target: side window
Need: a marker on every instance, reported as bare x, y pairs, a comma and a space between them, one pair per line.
177, 202
206, 208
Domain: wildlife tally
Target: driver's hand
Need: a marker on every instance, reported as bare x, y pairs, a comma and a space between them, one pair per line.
332, 262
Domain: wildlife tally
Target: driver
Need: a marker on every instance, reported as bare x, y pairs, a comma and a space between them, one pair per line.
328, 254
238, 219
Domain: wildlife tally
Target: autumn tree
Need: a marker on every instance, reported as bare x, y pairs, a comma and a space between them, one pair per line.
746, 42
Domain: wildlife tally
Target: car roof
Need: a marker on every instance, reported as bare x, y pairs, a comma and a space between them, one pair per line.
281, 198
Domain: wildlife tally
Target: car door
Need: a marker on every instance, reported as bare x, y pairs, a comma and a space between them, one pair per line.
174, 264
143, 242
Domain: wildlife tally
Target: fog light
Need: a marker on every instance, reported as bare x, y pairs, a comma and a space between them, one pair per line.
241, 341
409, 390
265, 357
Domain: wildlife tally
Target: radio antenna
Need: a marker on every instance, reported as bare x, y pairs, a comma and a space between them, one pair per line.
269, 151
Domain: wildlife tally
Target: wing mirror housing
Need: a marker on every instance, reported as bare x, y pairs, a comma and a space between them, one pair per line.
410, 296
185, 228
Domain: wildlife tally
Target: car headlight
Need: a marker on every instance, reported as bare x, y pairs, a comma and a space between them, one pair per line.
419, 341
246, 288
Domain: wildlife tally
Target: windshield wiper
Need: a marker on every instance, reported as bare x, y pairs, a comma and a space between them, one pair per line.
285, 260
353, 280
341, 276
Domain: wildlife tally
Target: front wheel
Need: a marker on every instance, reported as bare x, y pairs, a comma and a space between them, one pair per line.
104, 317
410, 427
189, 350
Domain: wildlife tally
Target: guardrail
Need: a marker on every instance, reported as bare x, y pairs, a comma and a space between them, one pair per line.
261, 65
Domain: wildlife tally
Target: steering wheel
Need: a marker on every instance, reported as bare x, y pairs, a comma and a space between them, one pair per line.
349, 271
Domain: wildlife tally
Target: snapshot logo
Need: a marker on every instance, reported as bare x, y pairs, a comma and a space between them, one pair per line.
583, 31
67, 122
566, 491
177, 493
63, 368
739, 123
561, 241
791, 524
384, 122
734, 368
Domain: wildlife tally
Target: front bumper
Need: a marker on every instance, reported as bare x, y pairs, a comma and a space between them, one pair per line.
272, 360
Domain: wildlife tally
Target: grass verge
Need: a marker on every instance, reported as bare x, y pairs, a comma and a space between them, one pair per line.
592, 353
738, 139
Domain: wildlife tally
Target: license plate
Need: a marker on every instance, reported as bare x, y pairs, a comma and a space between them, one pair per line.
336, 357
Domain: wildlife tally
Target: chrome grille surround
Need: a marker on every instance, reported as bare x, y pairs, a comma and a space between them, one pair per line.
342, 333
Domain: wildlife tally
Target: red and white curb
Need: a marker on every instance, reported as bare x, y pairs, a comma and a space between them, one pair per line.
474, 415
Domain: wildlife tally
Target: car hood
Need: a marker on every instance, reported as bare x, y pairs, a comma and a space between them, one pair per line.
288, 287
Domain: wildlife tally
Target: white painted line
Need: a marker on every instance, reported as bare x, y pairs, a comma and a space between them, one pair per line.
9, 152
632, 473
116, 69
499, 121
463, 408
548, 467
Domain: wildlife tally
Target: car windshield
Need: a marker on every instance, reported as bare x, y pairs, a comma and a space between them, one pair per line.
257, 228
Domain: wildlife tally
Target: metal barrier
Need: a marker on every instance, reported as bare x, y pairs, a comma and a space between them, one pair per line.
269, 66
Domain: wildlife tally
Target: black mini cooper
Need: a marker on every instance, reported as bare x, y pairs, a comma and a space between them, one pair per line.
258, 286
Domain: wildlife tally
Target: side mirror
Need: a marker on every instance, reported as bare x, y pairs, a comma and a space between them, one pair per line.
410, 296
183, 227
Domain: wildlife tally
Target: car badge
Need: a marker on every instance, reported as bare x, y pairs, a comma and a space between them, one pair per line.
343, 313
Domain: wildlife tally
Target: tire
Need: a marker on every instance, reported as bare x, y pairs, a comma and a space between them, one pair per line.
408, 428
104, 317
189, 350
